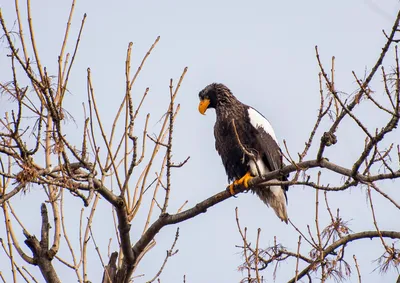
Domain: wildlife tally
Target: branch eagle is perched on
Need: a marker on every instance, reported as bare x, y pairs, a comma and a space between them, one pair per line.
246, 143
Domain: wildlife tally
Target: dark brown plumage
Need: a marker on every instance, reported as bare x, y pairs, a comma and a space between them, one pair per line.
256, 136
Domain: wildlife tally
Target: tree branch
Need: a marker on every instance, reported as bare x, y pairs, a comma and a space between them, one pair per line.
343, 241
40, 250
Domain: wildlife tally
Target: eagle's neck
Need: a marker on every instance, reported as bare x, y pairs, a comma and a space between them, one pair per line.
229, 110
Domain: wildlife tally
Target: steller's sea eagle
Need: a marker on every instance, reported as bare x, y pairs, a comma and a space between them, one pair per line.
246, 143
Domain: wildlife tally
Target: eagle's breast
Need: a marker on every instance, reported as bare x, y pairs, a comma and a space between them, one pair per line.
226, 144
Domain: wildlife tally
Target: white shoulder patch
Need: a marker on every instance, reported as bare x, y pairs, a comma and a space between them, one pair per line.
259, 121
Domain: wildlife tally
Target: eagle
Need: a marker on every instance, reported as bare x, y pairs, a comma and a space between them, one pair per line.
247, 144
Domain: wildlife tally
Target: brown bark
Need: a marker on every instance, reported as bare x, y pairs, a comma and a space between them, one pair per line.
42, 256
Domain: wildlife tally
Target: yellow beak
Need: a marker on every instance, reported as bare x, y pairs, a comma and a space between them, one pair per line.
203, 105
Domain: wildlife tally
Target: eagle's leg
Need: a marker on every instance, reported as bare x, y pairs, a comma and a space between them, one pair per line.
242, 181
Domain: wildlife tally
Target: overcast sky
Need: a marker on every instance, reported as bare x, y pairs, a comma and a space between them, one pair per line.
262, 50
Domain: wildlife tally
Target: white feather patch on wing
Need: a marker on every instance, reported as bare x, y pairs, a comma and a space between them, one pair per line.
257, 120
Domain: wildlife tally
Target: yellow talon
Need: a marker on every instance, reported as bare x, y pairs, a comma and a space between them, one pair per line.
232, 188
242, 181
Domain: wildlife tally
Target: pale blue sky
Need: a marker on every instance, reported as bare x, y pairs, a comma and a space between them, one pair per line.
262, 50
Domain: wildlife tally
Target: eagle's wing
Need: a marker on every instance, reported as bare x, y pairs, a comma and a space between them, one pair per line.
269, 158
266, 139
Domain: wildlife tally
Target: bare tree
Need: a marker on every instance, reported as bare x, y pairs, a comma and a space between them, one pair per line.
36, 151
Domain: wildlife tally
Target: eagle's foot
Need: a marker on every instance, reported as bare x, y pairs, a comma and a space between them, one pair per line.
242, 181
231, 188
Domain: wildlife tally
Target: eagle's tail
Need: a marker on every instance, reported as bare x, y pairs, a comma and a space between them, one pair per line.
274, 196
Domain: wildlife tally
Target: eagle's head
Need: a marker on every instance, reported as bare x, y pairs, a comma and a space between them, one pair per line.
214, 96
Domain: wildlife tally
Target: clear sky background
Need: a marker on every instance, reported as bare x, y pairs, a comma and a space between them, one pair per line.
262, 50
